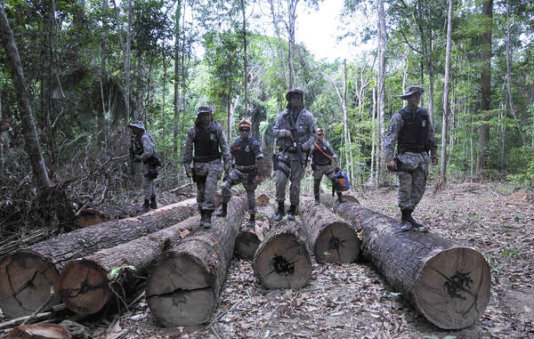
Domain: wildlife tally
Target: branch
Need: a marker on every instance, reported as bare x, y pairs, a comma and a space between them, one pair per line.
409, 44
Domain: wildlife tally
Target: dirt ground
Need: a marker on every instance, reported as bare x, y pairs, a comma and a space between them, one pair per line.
354, 301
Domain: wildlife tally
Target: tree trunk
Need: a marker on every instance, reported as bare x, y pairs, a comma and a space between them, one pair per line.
331, 238
86, 284
31, 140
101, 114
448, 284
283, 258
30, 273
184, 286
245, 60
176, 77
127, 54
380, 87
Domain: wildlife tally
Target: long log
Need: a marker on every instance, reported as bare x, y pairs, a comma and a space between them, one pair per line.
283, 258
29, 277
86, 284
331, 238
328, 200
449, 284
183, 288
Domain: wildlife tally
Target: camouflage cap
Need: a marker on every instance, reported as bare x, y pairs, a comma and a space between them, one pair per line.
295, 91
137, 124
411, 91
204, 109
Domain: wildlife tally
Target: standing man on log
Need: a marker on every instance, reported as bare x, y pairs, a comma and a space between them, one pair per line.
295, 133
142, 149
411, 130
323, 162
245, 150
207, 139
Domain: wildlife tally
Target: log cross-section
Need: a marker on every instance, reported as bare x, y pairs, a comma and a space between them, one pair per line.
449, 284
249, 238
184, 286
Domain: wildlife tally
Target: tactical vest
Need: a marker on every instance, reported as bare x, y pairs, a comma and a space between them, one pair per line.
137, 145
318, 158
414, 134
244, 152
206, 143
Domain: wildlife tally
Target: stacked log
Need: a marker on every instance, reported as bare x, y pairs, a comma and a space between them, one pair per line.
283, 259
184, 286
331, 238
328, 200
30, 276
86, 284
449, 284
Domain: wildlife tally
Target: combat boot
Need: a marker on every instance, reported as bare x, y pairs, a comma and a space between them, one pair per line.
202, 218
292, 212
145, 208
153, 203
340, 197
207, 219
251, 221
412, 220
281, 211
316, 193
406, 225
223, 211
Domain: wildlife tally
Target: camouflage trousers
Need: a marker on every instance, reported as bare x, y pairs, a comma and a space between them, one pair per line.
411, 186
148, 184
318, 172
289, 168
249, 183
206, 175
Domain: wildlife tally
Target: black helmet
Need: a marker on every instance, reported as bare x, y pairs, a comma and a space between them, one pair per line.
295, 91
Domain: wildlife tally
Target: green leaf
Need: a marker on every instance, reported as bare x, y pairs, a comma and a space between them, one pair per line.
116, 270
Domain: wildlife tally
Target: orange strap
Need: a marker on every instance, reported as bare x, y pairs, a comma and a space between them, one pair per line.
326, 155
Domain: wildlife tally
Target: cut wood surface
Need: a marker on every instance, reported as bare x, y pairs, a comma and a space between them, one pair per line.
86, 284
184, 286
283, 259
29, 277
449, 284
330, 237
39, 331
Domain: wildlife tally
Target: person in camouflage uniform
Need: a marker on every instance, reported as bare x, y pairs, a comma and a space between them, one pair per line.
142, 149
411, 130
323, 162
294, 131
207, 140
245, 151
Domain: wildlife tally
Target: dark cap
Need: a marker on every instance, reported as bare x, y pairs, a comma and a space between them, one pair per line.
295, 91
204, 109
411, 91
137, 124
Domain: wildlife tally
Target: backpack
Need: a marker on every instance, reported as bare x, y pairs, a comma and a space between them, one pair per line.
342, 181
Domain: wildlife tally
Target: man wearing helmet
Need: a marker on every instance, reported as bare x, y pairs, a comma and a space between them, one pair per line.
206, 139
294, 131
323, 162
245, 150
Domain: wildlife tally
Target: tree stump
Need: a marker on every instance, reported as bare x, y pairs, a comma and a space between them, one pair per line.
29, 277
331, 238
283, 259
184, 286
449, 284
86, 285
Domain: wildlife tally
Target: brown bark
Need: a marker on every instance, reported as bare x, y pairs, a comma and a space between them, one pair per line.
328, 200
85, 285
331, 238
19, 292
283, 258
184, 286
449, 284
40, 331
249, 238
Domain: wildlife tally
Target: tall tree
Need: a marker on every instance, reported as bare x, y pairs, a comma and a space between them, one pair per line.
381, 107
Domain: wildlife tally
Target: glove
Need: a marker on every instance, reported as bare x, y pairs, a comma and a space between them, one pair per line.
189, 172
434, 160
337, 169
392, 166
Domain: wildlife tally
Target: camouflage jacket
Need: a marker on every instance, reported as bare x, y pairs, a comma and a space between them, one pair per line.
143, 146
304, 124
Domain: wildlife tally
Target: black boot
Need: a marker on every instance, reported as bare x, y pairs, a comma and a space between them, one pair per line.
202, 218
406, 225
145, 208
281, 211
412, 220
340, 197
251, 221
223, 211
316, 194
153, 203
292, 212
207, 218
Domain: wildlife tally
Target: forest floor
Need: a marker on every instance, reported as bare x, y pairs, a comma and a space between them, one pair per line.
354, 301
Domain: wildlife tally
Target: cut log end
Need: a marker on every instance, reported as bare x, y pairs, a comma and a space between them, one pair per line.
84, 287
283, 263
28, 282
246, 245
180, 291
337, 243
453, 288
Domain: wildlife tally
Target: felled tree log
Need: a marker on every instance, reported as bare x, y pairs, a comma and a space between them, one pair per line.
29, 277
86, 284
249, 238
328, 200
183, 288
449, 284
331, 238
283, 259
